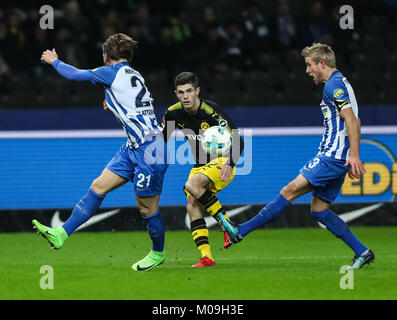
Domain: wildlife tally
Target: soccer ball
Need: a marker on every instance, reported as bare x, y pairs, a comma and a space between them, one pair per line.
216, 141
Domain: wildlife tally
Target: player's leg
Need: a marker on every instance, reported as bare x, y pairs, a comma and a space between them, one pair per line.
199, 231
117, 172
321, 212
274, 209
149, 209
91, 202
148, 184
83, 210
199, 187
203, 184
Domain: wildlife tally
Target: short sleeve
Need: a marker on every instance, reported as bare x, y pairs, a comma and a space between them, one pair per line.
337, 94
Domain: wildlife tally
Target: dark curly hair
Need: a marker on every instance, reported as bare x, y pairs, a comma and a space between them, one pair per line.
186, 78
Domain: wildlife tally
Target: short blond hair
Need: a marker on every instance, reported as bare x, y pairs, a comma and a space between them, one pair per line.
318, 52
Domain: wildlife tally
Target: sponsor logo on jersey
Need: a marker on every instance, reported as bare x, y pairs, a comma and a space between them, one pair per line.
194, 136
337, 93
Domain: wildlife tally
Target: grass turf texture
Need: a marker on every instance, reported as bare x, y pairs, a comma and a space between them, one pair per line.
268, 264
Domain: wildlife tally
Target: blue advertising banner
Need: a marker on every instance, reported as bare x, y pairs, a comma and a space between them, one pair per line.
55, 172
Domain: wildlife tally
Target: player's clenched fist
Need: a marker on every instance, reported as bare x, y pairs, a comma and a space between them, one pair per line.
49, 56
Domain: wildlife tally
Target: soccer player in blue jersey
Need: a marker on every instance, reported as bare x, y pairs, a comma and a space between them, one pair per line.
128, 98
337, 156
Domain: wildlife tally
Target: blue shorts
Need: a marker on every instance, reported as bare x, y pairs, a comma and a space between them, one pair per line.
327, 175
145, 167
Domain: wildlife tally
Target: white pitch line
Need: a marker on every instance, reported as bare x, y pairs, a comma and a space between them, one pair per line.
284, 258
118, 133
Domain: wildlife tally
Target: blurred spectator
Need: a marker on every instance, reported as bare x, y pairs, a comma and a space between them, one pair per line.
208, 20
145, 53
316, 27
77, 33
286, 26
233, 36
38, 42
204, 37
14, 43
4, 74
257, 34
167, 51
147, 25
214, 52
181, 28
348, 43
66, 48
256, 30
113, 20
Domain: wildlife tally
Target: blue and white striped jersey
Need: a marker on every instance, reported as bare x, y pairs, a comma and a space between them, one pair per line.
338, 95
129, 100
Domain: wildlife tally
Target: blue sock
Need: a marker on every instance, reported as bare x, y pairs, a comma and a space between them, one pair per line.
339, 229
156, 229
272, 211
83, 210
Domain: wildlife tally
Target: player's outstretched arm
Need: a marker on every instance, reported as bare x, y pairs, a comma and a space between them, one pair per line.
49, 56
65, 70
354, 131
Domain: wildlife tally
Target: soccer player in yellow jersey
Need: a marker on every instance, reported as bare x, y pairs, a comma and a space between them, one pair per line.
210, 175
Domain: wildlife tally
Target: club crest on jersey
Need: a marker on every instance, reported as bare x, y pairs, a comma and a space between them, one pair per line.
324, 109
337, 93
223, 123
204, 125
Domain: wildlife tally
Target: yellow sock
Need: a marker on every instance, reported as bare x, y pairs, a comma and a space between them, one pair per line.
205, 251
200, 235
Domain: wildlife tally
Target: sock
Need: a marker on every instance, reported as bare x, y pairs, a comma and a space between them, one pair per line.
200, 235
83, 210
340, 229
272, 211
156, 229
212, 205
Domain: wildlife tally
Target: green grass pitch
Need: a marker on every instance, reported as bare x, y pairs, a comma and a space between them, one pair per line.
269, 264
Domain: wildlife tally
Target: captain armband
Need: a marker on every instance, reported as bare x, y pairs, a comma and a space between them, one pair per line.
341, 103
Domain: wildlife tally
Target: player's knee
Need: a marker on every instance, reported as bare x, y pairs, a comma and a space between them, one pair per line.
191, 187
192, 204
143, 209
99, 186
289, 191
197, 184
194, 208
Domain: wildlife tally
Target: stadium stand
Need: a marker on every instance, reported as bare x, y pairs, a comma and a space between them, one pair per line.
245, 52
